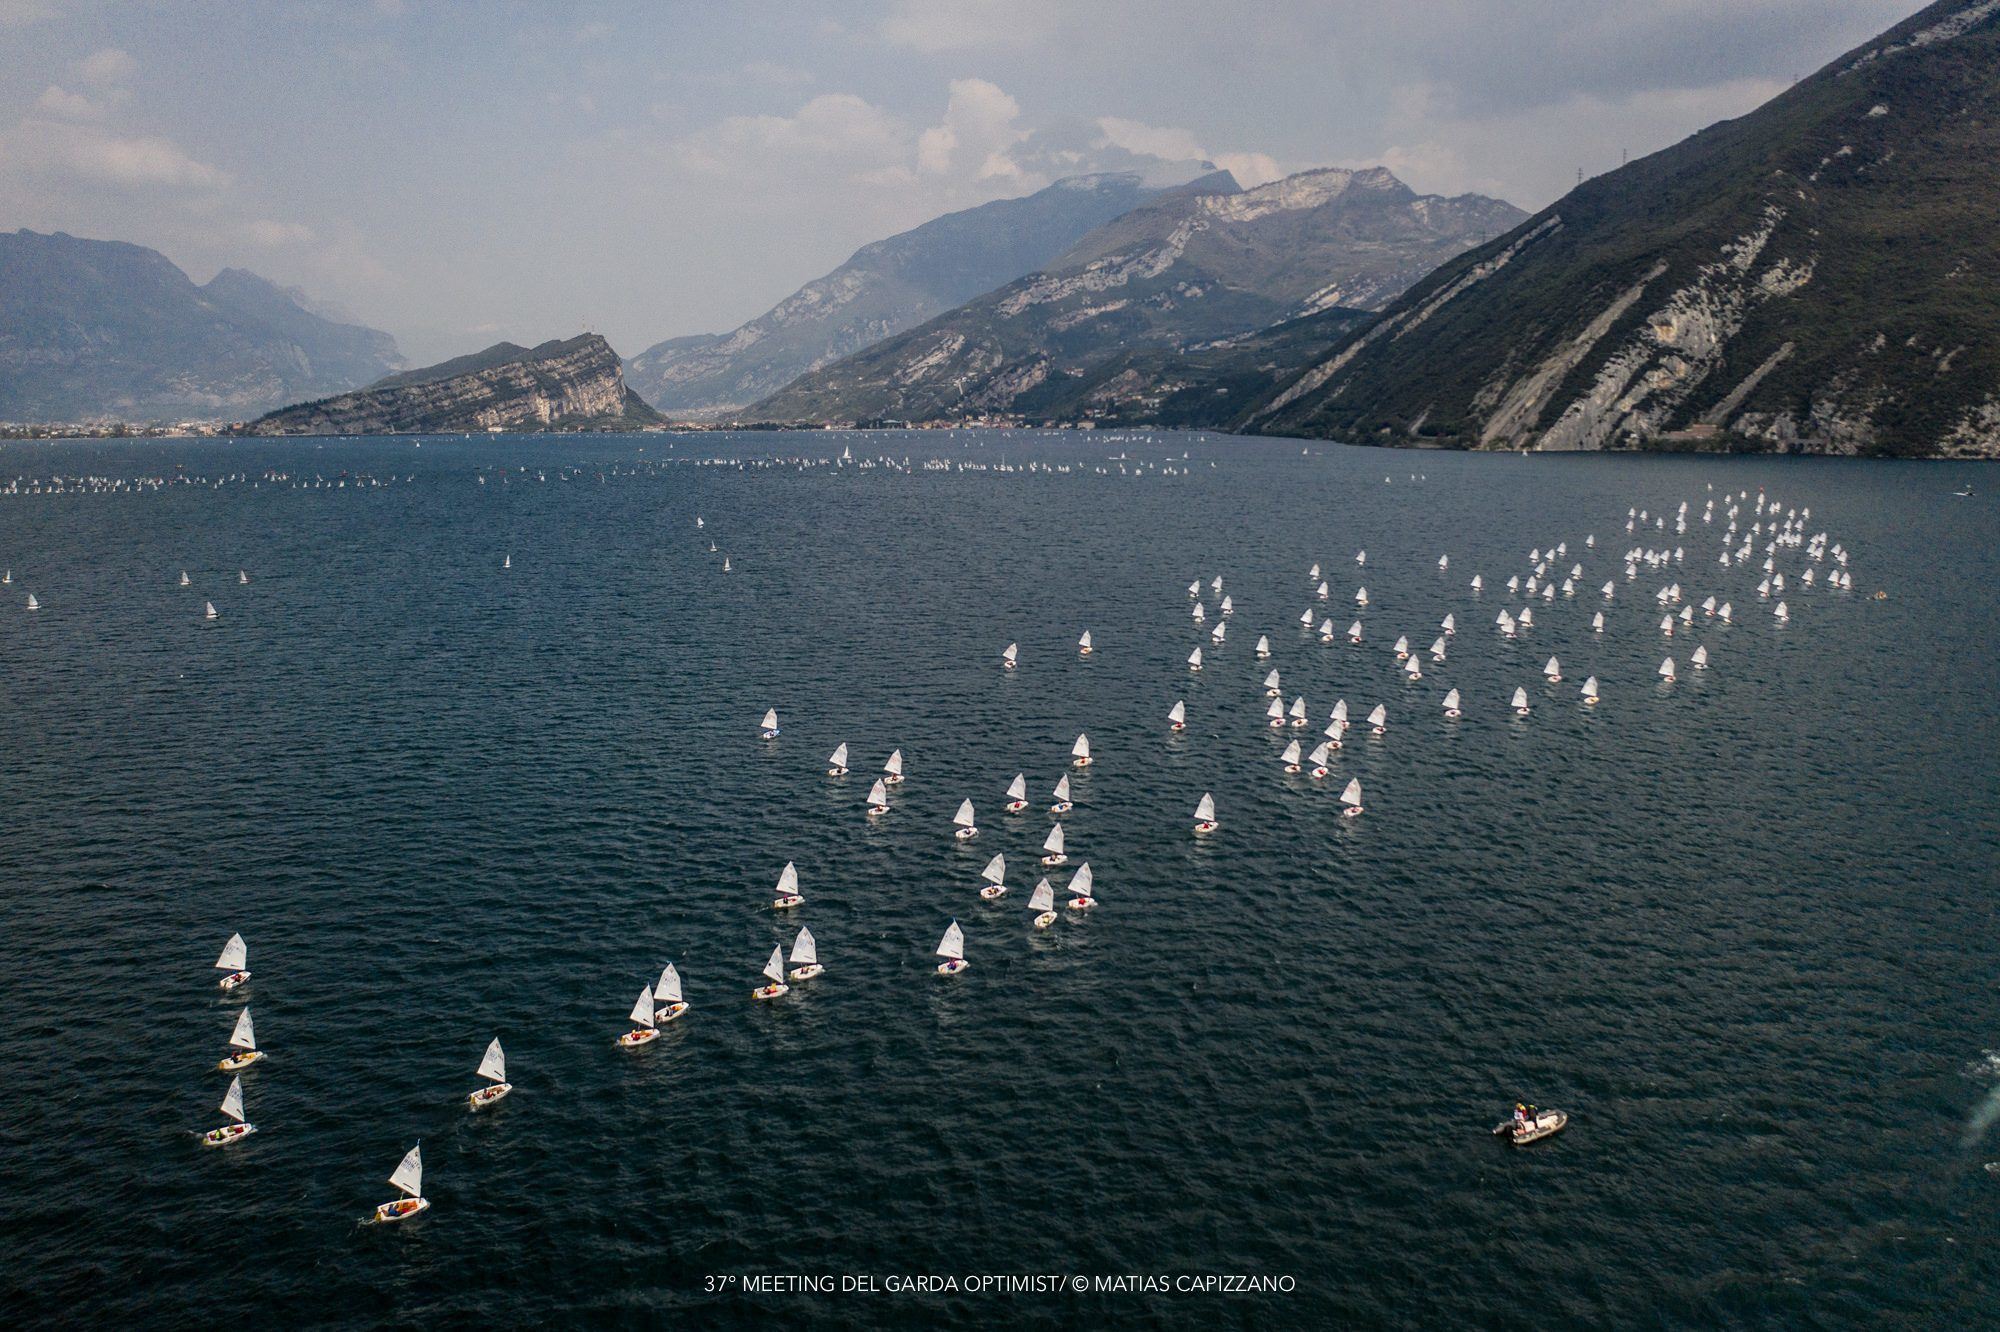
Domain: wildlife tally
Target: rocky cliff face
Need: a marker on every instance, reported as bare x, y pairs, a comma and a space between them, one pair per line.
1184, 273
563, 385
100, 329
1817, 276
883, 289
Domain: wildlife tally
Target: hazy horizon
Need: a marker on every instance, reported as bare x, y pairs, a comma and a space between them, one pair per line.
460, 176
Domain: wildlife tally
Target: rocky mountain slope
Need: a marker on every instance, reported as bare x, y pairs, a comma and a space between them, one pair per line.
101, 329
576, 384
1182, 273
884, 288
1820, 275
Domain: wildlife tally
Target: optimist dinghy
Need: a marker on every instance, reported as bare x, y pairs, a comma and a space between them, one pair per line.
238, 1128
775, 969
995, 875
952, 949
1043, 903
243, 1046
645, 1028
1017, 793
805, 958
234, 961
1532, 1126
409, 1178
667, 994
493, 1067
787, 893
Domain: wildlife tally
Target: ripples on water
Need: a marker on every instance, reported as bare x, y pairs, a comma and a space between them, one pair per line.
1741, 927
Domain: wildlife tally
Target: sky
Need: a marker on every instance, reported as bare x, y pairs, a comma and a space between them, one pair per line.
459, 173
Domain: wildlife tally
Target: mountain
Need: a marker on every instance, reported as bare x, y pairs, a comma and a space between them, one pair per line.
884, 288
92, 329
577, 384
1819, 275
1183, 272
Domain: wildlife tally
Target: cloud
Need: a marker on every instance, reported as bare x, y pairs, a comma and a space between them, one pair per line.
1172, 144
66, 105
833, 128
108, 68
978, 128
1251, 169
98, 156
936, 26
272, 235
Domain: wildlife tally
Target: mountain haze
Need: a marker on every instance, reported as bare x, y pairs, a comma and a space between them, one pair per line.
886, 287
1820, 275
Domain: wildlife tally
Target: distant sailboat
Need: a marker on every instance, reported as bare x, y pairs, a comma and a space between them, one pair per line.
239, 1128
1597, 622
1412, 669
1520, 702
1053, 845
1318, 759
1297, 712
1275, 711
878, 799
235, 961
1361, 596
1340, 713
409, 1179
1204, 814
243, 1046
1177, 715
1194, 660
667, 1001
805, 958
1451, 704
208, 611
892, 768
493, 1067
1350, 798
770, 724
1062, 803
1478, 583
1010, 656
242, 577
1378, 720
952, 949
1079, 752
995, 875
1552, 669
1590, 690
1043, 902
966, 829
1700, 658
1083, 648
1667, 670
1449, 624
1017, 793
1781, 612
836, 762
1272, 687
33, 604
1354, 632
506, 561
1290, 758
184, 578
645, 1028
775, 969
1079, 886
787, 894
1263, 647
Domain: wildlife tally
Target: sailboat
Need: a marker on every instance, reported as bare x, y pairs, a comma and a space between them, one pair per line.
1079, 752
1053, 844
1079, 887
1437, 652
1318, 759
33, 605
239, 1128
1667, 670
184, 578
1177, 715
235, 960
1451, 704
1378, 720
892, 768
1043, 902
1297, 711
1324, 593
1340, 713
242, 577
1667, 625
1361, 596
1290, 758
1781, 612
1506, 623
1412, 669
725, 564
1272, 688
1017, 793
1083, 644
952, 949
966, 830
1597, 622
1520, 703
1722, 612
1010, 656
1204, 813
787, 895
836, 762
1444, 562
775, 969
208, 611
1590, 690
1402, 646
646, 1028
1354, 632
770, 726
1062, 803
995, 875
1700, 658
1450, 625
243, 1046
667, 1000
878, 799
1478, 583
1263, 647
1553, 670
1194, 660
409, 1179
805, 958
1275, 710
1350, 798
1361, 557
493, 1067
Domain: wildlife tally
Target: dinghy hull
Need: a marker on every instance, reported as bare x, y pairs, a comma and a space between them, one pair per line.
807, 972
953, 967
402, 1210
787, 902
227, 1134
486, 1096
231, 1063
1046, 919
1544, 1125
665, 1015
993, 892
641, 1036
232, 980
774, 990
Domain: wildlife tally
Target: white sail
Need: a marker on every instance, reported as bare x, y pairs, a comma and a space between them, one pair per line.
1194, 658
1449, 624
1451, 701
1701, 656
1018, 788
208, 609
1298, 708
1081, 749
668, 991
1597, 621
1667, 667
1552, 667
1520, 697
232, 1100
1291, 754
245, 1035
1271, 680
409, 1176
1340, 710
1354, 631
1043, 898
878, 794
952, 946
1411, 668
996, 870
235, 955
1062, 787
1379, 717
805, 950
1275, 709
1263, 644
642, 1010
1081, 881
838, 758
1318, 757
775, 968
1361, 596
1053, 843
493, 1066
770, 719
1012, 652
1590, 687
1178, 713
1084, 641
894, 767
1477, 582
788, 879
1204, 808
1351, 794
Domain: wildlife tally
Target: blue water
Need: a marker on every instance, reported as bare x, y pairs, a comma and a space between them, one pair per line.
1741, 927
